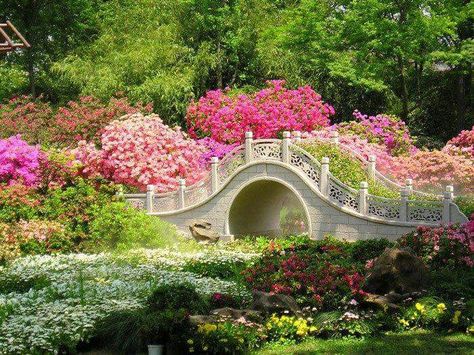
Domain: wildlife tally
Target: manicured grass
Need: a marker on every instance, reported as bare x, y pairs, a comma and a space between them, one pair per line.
419, 342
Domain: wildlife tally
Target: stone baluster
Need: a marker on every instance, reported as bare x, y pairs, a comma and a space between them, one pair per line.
334, 137
214, 174
285, 147
297, 136
409, 186
448, 197
403, 205
181, 191
248, 147
371, 167
323, 181
150, 192
363, 191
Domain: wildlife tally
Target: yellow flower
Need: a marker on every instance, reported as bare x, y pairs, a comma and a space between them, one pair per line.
455, 319
312, 329
441, 307
205, 348
207, 328
191, 350
420, 308
190, 342
404, 322
241, 341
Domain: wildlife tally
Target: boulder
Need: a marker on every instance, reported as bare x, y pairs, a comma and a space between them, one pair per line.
202, 231
396, 271
228, 314
268, 303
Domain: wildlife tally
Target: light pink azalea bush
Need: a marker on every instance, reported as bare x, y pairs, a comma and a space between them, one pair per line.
141, 150
19, 162
266, 113
462, 144
433, 170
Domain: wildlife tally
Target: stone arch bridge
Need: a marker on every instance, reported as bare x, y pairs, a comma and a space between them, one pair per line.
244, 192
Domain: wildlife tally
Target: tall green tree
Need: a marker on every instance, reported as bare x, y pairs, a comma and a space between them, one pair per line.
53, 27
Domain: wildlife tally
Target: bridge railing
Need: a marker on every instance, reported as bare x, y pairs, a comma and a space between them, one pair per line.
317, 173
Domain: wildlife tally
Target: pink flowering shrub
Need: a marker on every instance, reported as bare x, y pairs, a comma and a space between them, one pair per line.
84, 119
382, 129
29, 117
19, 162
38, 122
266, 113
433, 170
445, 245
141, 150
462, 144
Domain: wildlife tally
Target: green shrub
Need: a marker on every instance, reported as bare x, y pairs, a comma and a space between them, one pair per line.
347, 168
175, 297
117, 225
466, 204
364, 250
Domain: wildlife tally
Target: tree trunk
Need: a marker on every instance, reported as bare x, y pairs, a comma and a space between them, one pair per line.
404, 89
219, 65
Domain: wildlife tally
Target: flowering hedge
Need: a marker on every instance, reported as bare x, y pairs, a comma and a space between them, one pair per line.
19, 162
445, 245
462, 144
386, 130
267, 113
433, 170
38, 122
141, 150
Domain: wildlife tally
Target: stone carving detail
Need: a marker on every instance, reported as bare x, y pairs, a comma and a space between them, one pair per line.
425, 211
305, 164
342, 196
383, 207
197, 194
165, 203
138, 203
230, 164
266, 150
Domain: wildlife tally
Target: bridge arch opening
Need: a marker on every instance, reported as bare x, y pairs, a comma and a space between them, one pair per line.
268, 208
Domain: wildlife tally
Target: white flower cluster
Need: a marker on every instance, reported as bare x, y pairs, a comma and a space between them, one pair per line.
74, 291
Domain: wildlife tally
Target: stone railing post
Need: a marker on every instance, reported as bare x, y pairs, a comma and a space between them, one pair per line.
334, 137
409, 186
363, 191
214, 174
150, 192
323, 181
248, 147
285, 147
120, 193
371, 167
181, 190
447, 200
297, 136
403, 205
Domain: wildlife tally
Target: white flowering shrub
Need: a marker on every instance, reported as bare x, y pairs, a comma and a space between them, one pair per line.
53, 302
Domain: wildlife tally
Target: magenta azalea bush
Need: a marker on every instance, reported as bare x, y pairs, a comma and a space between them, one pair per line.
462, 144
444, 245
19, 162
267, 113
214, 149
141, 150
385, 130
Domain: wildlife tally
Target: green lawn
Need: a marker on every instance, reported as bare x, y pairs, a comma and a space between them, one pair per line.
405, 343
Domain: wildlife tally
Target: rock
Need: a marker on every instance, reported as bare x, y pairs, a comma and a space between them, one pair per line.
231, 313
202, 232
383, 302
202, 319
396, 271
268, 302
